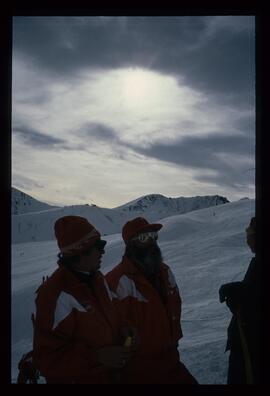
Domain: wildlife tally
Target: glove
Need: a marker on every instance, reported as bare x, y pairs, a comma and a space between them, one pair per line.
232, 293
130, 334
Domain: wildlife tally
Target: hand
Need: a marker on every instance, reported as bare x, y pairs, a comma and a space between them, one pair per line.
114, 356
232, 294
231, 289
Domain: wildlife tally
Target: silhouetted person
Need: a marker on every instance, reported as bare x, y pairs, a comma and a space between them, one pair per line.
149, 300
77, 330
244, 331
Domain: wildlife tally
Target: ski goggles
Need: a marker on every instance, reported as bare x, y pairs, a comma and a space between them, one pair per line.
145, 236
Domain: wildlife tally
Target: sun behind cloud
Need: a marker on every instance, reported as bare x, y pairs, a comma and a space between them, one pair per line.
140, 86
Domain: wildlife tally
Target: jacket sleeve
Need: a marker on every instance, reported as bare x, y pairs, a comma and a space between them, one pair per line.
124, 303
253, 275
174, 305
57, 352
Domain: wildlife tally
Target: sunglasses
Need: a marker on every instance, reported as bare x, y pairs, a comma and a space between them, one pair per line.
144, 237
99, 245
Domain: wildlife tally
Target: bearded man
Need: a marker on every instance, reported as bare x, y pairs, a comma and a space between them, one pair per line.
148, 300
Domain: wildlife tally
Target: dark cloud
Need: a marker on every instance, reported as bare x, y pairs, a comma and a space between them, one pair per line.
63, 45
240, 180
226, 66
246, 124
38, 139
215, 60
99, 131
200, 153
38, 99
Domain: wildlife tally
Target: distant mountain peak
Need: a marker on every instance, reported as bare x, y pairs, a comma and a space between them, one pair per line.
23, 203
165, 206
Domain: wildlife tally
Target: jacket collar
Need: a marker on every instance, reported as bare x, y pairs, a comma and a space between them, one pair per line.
73, 280
105, 304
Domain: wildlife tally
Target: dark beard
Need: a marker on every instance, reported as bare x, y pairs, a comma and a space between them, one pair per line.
149, 258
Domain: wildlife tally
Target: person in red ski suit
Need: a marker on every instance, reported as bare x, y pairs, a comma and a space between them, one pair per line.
149, 300
77, 329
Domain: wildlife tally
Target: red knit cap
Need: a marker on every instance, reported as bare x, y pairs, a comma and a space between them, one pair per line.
138, 226
74, 235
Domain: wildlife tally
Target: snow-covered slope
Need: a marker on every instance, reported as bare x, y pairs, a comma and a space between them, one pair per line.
204, 248
38, 226
24, 203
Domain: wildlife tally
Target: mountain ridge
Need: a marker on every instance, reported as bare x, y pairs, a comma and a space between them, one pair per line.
39, 225
174, 203
24, 203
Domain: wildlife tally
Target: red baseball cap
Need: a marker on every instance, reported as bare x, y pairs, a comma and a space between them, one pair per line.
137, 226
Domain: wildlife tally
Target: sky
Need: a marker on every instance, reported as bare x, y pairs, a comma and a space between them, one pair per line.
108, 109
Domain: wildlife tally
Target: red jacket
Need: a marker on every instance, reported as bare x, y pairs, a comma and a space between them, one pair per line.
157, 320
70, 324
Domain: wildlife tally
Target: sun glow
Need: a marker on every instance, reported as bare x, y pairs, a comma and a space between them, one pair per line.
139, 86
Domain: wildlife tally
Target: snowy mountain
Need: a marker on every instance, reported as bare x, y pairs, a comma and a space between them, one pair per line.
24, 203
38, 226
159, 206
204, 248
